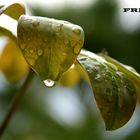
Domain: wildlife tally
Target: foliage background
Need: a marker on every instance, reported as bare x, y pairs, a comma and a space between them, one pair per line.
70, 113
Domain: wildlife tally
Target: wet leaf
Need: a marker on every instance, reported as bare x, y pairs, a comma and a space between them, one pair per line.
14, 10
113, 91
49, 46
129, 71
12, 63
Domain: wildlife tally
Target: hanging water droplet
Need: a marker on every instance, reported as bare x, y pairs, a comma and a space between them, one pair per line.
76, 49
49, 83
35, 23
76, 30
39, 52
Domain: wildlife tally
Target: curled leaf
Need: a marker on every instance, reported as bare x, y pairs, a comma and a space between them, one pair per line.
49, 46
129, 71
14, 10
114, 92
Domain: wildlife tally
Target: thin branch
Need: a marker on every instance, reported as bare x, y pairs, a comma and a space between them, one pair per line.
15, 102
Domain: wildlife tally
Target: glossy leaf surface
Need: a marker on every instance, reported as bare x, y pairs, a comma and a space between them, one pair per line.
113, 91
14, 10
49, 46
131, 73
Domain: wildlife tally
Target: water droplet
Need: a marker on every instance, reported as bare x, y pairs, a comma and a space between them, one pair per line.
76, 49
72, 66
66, 22
39, 52
76, 30
31, 62
31, 50
49, 83
64, 54
35, 23
98, 77
57, 28
23, 46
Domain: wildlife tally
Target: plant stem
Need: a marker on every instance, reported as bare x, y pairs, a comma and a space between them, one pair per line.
16, 102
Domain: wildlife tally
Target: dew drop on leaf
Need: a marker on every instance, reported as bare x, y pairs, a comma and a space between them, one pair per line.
72, 66
39, 52
98, 76
35, 23
55, 44
23, 46
31, 62
76, 49
76, 30
49, 83
31, 50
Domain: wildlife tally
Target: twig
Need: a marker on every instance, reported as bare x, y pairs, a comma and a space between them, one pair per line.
15, 102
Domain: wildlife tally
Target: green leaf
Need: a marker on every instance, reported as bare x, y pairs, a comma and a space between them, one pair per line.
113, 91
129, 71
14, 10
49, 46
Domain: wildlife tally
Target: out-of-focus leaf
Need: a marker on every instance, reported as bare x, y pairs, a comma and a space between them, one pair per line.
49, 46
14, 10
71, 76
1, 6
129, 71
12, 63
5, 32
114, 92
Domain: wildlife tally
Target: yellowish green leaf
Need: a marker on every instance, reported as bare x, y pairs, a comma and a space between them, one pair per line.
14, 10
129, 71
71, 77
5, 32
12, 63
115, 94
49, 46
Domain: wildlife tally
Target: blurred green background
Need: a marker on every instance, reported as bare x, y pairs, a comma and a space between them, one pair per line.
70, 113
